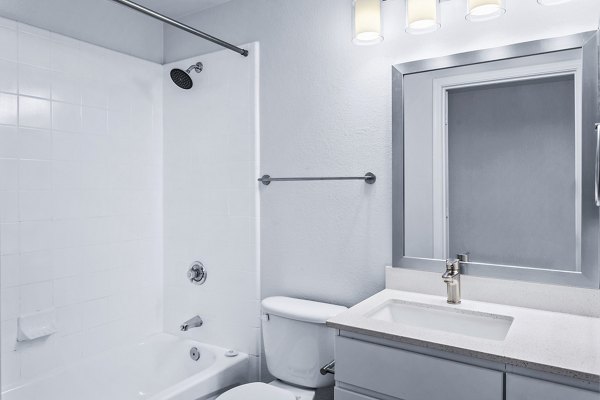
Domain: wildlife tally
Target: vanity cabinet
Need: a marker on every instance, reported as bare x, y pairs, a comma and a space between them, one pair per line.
376, 369
405, 375
524, 388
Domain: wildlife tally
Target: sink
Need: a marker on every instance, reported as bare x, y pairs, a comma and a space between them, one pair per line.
445, 319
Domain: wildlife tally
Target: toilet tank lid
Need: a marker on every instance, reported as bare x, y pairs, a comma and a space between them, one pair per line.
301, 310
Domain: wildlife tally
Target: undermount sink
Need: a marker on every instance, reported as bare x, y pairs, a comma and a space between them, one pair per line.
446, 319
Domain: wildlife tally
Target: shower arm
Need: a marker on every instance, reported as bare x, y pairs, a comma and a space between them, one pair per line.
181, 26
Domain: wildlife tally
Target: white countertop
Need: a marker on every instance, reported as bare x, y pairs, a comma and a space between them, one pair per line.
557, 343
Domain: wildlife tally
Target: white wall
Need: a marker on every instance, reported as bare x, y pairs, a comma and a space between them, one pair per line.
80, 197
104, 23
210, 200
326, 110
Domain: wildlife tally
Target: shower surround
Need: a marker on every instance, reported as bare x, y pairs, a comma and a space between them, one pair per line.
211, 200
80, 198
81, 201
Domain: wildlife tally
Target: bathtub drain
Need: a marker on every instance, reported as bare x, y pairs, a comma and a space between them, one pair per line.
194, 353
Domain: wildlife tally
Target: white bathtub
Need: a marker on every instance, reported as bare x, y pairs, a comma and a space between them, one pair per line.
160, 368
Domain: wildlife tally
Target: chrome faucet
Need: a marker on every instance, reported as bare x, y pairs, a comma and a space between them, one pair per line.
195, 322
452, 279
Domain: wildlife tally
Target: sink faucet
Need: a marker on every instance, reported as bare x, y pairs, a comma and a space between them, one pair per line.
194, 322
452, 279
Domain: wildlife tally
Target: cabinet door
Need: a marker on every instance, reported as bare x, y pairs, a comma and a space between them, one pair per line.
523, 388
411, 376
341, 394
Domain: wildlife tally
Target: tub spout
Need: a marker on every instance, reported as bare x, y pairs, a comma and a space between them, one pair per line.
194, 322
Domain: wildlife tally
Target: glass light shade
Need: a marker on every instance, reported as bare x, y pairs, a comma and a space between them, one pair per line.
552, 2
484, 10
367, 22
422, 16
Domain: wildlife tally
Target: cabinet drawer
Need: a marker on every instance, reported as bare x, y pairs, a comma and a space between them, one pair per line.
341, 394
412, 376
524, 388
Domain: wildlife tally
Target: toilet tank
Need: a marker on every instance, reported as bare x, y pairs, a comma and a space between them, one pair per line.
296, 341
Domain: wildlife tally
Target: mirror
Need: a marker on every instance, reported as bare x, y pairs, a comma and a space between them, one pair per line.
495, 158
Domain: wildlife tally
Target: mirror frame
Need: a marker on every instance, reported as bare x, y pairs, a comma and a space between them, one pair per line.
589, 43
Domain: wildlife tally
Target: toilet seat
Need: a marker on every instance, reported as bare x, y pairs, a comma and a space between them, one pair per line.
257, 390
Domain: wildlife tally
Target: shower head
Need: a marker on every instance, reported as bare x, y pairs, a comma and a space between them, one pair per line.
182, 78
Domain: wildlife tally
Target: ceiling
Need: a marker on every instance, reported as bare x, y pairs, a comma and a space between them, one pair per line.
178, 8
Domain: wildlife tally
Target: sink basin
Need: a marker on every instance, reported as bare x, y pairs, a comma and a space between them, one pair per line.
446, 319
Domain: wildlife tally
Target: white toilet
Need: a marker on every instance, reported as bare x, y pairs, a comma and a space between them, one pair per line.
297, 344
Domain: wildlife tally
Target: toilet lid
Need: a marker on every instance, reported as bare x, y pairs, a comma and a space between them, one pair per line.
258, 391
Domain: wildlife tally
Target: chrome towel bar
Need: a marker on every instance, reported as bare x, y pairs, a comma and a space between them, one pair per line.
369, 178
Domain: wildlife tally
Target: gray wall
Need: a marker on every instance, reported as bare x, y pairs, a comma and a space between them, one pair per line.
100, 22
326, 110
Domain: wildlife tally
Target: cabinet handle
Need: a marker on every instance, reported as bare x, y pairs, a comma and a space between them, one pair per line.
597, 183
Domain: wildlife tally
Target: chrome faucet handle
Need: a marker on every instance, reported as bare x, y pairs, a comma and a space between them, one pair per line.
197, 273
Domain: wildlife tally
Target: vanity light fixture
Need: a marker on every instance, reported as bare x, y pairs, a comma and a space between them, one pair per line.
484, 10
422, 16
367, 22
552, 2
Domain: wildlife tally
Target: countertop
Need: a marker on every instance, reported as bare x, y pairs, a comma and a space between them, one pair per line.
557, 343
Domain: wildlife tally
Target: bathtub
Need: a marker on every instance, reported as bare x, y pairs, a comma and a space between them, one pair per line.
159, 368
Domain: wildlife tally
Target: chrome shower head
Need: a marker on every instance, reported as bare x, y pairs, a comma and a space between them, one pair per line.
182, 78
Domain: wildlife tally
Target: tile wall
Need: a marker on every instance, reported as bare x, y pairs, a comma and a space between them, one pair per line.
80, 197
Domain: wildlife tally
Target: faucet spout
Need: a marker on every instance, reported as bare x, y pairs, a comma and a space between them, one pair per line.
194, 322
452, 279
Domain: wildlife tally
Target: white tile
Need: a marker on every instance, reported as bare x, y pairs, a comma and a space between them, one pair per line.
9, 174
9, 238
67, 146
66, 117
8, 44
9, 206
67, 291
8, 109
66, 57
36, 236
9, 304
36, 267
94, 120
67, 175
34, 50
69, 262
96, 313
37, 358
9, 265
35, 205
95, 94
70, 348
9, 142
35, 175
65, 88
33, 30
8, 336
35, 144
8, 23
8, 76
34, 81
10, 367
69, 319
34, 113
36, 297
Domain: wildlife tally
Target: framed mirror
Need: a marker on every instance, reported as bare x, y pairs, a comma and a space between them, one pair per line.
495, 162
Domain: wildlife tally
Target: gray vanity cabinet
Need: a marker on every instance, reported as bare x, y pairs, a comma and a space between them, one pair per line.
524, 388
385, 372
376, 369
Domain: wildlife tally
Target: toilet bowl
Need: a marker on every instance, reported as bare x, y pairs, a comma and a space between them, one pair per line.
297, 343
275, 390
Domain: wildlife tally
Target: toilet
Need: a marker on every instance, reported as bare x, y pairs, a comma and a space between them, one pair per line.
297, 344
